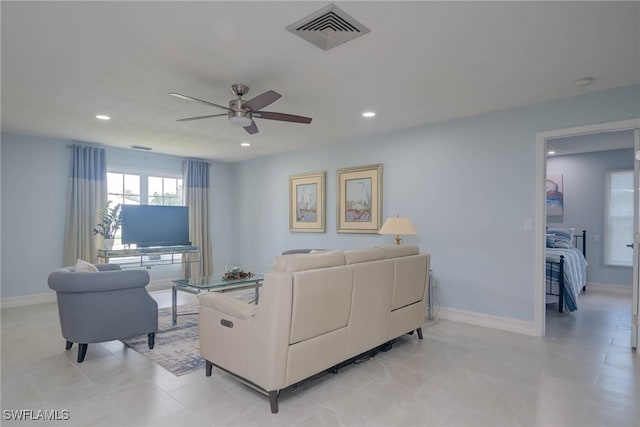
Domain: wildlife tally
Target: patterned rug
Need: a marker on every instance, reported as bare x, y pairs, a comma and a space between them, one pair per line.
177, 348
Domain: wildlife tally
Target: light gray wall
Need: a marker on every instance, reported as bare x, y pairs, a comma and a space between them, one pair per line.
34, 191
584, 183
467, 185
34, 184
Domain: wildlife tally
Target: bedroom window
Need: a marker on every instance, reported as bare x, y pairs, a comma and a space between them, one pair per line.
619, 219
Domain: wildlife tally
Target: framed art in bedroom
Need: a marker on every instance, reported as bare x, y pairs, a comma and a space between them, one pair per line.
554, 195
306, 202
360, 199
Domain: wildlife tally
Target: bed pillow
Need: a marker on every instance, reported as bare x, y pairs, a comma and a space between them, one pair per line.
551, 240
563, 244
563, 236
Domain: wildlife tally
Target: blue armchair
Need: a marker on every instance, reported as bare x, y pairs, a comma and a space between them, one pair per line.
102, 306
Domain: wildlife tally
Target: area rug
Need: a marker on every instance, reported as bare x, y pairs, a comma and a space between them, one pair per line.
177, 348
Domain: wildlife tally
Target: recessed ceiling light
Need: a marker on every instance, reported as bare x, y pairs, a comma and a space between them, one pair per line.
368, 114
103, 117
245, 144
551, 153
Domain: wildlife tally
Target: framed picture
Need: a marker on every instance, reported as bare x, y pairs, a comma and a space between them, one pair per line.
306, 202
360, 199
555, 197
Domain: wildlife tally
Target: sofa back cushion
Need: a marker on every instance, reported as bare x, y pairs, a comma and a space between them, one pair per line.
310, 261
395, 251
410, 279
364, 255
321, 302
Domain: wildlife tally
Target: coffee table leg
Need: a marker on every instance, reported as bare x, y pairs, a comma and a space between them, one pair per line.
257, 294
174, 305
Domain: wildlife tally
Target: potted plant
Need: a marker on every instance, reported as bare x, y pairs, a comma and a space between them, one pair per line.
109, 222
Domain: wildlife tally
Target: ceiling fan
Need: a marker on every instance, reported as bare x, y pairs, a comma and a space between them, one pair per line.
241, 112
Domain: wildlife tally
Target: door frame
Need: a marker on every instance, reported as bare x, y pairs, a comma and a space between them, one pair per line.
635, 333
540, 222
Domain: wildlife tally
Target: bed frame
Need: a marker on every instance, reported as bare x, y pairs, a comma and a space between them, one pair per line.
549, 268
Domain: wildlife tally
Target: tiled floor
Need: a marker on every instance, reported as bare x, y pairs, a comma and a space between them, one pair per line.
582, 373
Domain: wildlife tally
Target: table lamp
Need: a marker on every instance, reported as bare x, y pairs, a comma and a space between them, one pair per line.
397, 226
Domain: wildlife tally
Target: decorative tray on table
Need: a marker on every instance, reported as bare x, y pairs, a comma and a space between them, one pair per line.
236, 273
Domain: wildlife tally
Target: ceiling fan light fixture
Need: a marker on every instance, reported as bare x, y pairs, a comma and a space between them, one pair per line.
241, 121
241, 113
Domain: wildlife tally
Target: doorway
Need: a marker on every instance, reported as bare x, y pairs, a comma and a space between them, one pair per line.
542, 140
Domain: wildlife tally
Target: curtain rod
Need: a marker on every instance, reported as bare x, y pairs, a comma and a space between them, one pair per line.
122, 148
86, 145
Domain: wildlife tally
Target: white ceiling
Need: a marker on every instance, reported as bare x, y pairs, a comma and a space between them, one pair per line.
422, 62
604, 141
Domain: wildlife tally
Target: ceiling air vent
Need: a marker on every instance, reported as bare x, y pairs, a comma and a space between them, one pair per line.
328, 27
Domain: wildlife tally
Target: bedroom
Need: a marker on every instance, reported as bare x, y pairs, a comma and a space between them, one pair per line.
590, 173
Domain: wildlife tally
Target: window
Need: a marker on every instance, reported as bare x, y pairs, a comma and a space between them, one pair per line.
143, 189
165, 191
123, 188
619, 219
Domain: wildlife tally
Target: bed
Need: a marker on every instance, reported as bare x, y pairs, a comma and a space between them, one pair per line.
566, 267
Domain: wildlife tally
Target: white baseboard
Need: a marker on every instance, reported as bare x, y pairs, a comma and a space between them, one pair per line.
20, 301
605, 287
488, 321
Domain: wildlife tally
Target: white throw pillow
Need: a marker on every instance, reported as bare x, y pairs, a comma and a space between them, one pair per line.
85, 267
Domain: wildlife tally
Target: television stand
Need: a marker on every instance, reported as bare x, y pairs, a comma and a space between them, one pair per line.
153, 256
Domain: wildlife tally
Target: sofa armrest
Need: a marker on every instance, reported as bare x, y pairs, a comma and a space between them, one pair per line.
227, 305
65, 281
108, 267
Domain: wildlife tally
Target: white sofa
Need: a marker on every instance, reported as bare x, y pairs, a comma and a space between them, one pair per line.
315, 311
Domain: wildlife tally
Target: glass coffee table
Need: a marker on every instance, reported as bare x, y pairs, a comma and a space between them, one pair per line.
215, 283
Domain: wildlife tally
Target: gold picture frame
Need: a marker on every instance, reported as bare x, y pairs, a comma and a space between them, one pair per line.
307, 202
360, 199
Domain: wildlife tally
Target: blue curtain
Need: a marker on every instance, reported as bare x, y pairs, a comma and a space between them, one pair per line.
86, 196
196, 183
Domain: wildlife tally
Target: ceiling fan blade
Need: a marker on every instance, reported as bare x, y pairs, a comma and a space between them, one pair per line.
262, 100
190, 98
201, 117
252, 128
281, 116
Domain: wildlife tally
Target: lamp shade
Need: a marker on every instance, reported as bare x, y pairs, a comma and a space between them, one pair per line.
397, 226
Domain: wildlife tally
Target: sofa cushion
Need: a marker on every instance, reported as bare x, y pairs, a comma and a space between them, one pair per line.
321, 302
410, 279
363, 255
311, 261
83, 266
395, 251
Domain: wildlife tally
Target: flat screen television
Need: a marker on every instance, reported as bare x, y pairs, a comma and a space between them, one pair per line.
151, 225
